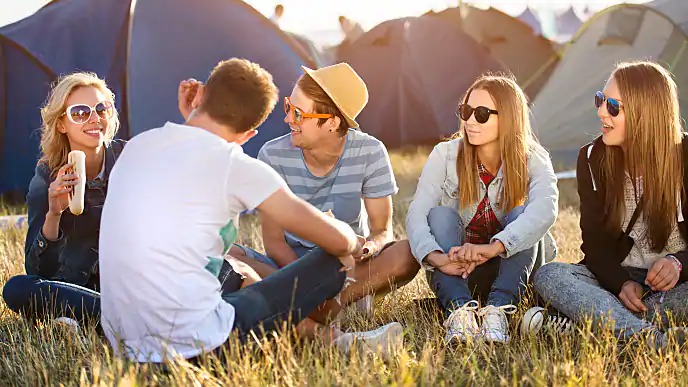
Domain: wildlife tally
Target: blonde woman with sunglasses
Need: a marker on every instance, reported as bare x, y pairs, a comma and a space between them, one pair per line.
61, 248
632, 186
483, 206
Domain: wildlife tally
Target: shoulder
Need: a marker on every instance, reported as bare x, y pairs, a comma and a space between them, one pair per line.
448, 149
592, 152
276, 144
38, 187
366, 143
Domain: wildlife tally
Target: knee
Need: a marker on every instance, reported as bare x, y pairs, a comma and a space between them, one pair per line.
406, 264
549, 275
440, 218
514, 213
18, 290
329, 270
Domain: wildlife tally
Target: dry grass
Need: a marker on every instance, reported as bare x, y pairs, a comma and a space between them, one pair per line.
38, 354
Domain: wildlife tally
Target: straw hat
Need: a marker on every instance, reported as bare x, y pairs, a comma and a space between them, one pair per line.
347, 90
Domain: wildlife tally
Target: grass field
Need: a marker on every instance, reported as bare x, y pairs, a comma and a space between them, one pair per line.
41, 353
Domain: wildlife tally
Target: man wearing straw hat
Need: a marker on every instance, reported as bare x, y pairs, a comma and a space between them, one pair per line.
330, 163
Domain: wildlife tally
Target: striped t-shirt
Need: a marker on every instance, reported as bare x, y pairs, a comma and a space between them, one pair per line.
363, 170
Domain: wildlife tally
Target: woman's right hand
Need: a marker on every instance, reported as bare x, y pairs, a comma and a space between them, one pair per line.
59, 189
631, 296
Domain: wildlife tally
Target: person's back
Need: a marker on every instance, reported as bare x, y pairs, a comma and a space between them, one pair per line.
182, 198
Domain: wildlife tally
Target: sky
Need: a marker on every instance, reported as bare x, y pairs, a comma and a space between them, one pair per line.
319, 17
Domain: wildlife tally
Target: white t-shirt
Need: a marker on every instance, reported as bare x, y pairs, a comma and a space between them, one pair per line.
170, 216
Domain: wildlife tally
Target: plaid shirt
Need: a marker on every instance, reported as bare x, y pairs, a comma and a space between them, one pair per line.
484, 224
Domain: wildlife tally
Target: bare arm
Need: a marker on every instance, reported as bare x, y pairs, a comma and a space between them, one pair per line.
276, 247
295, 215
380, 216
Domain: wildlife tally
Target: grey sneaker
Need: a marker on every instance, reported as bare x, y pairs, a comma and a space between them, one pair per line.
461, 324
384, 340
660, 341
495, 327
536, 319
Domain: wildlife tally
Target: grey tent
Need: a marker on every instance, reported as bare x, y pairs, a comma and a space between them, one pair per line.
531, 57
677, 10
568, 23
565, 116
528, 17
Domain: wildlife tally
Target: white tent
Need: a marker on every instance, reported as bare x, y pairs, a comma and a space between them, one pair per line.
677, 10
565, 117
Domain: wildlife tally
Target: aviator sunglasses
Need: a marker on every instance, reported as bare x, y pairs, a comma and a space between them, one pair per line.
81, 113
482, 113
613, 106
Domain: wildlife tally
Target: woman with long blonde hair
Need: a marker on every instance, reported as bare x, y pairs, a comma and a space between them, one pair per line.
632, 186
62, 248
484, 204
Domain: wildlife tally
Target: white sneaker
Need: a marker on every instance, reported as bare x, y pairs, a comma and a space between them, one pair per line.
495, 327
72, 326
536, 319
461, 324
384, 340
365, 305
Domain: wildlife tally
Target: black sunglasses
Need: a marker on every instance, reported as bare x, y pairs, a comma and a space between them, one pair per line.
482, 113
613, 106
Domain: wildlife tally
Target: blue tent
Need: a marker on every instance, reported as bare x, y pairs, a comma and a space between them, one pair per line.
143, 49
416, 69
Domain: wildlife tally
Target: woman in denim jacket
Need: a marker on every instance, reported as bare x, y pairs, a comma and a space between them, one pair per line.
484, 203
61, 248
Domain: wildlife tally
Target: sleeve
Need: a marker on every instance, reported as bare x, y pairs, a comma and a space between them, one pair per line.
263, 156
540, 211
41, 255
428, 195
596, 237
379, 177
252, 181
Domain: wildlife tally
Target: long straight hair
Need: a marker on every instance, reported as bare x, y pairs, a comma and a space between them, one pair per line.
652, 149
515, 138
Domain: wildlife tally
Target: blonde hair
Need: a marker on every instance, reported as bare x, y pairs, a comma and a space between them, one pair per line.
55, 145
652, 149
515, 139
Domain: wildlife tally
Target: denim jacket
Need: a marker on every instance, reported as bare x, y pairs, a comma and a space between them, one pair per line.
73, 257
438, 186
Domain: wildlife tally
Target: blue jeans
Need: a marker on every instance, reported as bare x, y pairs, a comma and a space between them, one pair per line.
501, 280
290, 294
300, 251
39, 298
574, 290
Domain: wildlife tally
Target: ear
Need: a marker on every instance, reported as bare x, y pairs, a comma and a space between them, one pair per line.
244, 137
199, 97
60, 127
334, 123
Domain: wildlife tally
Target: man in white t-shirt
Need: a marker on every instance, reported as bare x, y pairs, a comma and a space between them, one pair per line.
171, 216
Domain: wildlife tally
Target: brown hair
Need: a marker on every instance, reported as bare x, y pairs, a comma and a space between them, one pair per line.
515, 138
652, 149
322, 103
55, 145
239, 94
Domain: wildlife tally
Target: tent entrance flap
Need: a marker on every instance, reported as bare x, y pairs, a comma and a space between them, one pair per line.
623, 26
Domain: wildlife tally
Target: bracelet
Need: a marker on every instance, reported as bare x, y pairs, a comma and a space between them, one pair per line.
678, 263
